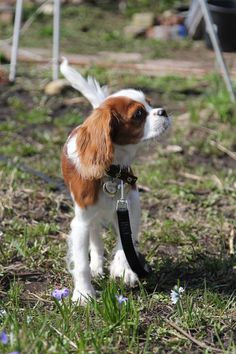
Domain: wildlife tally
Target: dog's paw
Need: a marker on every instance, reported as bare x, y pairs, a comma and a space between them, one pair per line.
83, 296
96, 272
96, 268
120, 269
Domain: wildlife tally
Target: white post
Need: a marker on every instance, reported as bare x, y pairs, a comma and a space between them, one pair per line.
15, 42
56, 40
215, 42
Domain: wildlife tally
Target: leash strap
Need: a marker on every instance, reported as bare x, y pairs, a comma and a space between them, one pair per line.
136, 261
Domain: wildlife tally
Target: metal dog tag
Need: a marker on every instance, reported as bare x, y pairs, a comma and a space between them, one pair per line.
110, 188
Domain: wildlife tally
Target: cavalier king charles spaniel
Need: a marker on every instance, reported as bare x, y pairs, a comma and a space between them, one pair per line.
111, 136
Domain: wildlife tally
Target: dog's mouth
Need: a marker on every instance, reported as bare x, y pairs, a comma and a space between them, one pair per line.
166, 124
160, 130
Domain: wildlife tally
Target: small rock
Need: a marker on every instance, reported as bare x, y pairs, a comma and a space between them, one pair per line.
55, 87
173, 149
48, 9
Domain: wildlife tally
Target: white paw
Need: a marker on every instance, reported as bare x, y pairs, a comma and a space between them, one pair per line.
120, 269
96, 272
96, 268
82, 296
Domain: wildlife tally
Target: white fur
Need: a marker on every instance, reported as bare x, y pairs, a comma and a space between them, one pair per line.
71, 151
86, 226
90, 88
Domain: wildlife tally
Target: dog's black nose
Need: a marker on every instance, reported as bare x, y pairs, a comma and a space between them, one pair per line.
162, 112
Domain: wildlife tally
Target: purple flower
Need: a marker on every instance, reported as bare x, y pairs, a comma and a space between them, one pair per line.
60, 293
3, 337
57, 294
14, 353
121, 299
65, 292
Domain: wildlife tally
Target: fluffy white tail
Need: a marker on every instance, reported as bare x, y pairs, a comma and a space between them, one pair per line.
89, 88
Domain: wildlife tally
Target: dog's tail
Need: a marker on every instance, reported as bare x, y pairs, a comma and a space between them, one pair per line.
89, 88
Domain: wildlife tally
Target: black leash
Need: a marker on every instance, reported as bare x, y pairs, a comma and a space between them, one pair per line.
136, 260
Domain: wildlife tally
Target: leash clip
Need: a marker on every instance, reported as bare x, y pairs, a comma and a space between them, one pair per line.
122, 203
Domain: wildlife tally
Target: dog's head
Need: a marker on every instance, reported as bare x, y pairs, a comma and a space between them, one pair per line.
123, 119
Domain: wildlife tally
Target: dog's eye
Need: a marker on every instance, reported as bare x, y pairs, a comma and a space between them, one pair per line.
140, 114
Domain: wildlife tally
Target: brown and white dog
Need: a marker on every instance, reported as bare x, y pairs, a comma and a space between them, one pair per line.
111, 135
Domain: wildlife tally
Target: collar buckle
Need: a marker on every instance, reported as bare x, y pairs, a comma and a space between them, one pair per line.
125, 174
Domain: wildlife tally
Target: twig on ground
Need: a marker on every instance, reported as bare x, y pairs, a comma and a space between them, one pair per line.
68, 339
194, 340
231, 241
40, 298
223, 149
217, 182
191, 176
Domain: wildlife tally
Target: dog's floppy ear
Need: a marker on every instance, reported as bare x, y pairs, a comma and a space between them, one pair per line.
94, 144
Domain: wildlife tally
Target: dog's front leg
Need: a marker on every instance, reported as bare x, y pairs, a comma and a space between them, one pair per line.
96, 250
78, 260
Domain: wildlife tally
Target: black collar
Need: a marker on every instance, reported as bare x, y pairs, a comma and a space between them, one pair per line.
123, 173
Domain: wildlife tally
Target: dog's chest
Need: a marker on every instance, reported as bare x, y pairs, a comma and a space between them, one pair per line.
107, 201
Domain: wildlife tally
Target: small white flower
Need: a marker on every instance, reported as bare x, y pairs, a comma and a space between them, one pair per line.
29, 319
176, 294
3, 313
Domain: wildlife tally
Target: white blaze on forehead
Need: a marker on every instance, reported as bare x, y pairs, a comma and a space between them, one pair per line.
134, 95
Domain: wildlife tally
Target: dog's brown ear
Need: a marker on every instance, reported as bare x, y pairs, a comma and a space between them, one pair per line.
94, 145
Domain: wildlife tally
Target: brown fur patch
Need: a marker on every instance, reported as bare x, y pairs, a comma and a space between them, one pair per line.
95, 148
84, 191
124, 128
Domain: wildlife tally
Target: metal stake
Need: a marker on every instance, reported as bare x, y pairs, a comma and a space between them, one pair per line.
56, 40
15, 42
216, 45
